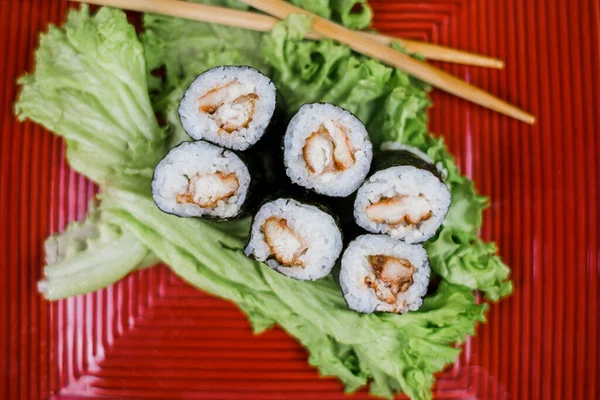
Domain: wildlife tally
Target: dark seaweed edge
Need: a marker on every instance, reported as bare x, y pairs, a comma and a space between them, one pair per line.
396, 158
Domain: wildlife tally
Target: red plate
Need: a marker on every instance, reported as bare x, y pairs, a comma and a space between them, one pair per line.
151, 336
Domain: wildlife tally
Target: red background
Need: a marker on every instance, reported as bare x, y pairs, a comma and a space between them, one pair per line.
151, 336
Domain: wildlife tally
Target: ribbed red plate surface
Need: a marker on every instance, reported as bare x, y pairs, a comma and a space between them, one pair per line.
151, 336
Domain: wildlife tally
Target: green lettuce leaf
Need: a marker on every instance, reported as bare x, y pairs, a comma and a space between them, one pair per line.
457, 253
89, 256
89, 86
186, 48
354, 14
472, 263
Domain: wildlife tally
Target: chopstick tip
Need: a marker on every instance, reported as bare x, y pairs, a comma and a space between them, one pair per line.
521, 115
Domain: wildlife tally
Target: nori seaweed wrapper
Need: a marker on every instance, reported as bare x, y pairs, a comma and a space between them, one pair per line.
395, 158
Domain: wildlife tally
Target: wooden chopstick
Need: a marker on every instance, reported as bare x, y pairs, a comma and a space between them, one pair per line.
364, 45
438, 52
264, 23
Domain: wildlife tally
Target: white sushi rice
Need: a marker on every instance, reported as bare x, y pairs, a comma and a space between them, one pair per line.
307, 121
355, 268
317, 229
408, 181
171, 177
200, 125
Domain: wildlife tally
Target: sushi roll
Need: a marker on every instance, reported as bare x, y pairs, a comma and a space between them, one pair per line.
199, 179
379, 273
232, 106
299, 240
327, 149
405, 198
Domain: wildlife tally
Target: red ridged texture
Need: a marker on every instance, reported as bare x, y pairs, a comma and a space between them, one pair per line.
151, 336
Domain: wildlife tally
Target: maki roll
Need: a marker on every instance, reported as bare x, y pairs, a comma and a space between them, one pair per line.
382, 274
199, 179
231, 106
327, 149
405, 198
299, 240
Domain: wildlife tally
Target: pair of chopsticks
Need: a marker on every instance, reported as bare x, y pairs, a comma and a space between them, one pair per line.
264, 23
372, 45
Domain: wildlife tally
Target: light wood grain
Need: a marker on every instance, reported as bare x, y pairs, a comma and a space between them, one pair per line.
416, 68
264, 23
438, 52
